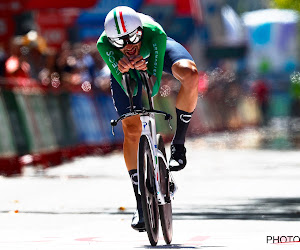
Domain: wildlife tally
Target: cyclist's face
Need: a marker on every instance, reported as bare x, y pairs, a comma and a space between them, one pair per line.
131, 49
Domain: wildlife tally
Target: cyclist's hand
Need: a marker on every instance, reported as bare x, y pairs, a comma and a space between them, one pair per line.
124, 65
138, 62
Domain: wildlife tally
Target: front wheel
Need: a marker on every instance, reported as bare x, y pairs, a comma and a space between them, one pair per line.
148, 190
165, 211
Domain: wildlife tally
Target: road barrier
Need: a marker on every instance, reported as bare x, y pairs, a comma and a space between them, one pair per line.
45, 126
9, 163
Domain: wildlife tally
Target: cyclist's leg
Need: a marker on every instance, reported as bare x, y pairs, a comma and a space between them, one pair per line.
186, 72
132, 129
181, 65
132, 126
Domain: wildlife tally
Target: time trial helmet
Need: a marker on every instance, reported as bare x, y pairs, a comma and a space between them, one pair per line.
123, 25
121, 21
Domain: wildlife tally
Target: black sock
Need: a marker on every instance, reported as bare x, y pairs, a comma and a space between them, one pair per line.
134, 179
183, 121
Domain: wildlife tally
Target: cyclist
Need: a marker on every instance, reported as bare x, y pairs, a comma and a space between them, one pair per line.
133, 41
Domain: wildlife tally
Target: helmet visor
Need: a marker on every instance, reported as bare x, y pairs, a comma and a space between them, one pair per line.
132, 38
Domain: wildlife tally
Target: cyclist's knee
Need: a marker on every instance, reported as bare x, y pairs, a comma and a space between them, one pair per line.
186, 72
132, 128
190, 77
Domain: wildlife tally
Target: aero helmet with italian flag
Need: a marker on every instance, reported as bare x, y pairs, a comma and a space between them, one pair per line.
121, 21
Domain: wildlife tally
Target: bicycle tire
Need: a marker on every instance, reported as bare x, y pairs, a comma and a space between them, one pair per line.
165, 211
148, 190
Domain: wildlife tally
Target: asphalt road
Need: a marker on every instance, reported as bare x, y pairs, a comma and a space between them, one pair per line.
231, 196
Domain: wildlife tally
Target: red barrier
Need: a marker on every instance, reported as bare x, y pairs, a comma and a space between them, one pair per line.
10, 166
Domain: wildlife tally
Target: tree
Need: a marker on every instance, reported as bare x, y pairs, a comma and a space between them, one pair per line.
287, 4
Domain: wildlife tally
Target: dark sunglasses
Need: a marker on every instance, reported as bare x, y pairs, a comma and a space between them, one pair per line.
132, 38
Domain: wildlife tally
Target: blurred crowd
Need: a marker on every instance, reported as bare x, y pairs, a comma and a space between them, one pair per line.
80, 64
73, 64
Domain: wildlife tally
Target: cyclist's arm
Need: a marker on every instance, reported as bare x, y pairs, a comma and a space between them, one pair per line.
111, 56
156, 59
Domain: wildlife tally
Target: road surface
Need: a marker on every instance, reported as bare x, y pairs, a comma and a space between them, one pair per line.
231, 196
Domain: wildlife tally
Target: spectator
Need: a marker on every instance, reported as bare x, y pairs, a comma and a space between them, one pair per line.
84, 65
35, 53
49, 75
65, 63
260, 90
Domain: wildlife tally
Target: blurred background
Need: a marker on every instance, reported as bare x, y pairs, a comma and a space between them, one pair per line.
55, 101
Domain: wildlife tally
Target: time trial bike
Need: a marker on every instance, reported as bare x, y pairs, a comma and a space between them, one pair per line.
156, 183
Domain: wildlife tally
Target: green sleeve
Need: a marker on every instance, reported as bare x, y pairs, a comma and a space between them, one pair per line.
111, 56
157, 46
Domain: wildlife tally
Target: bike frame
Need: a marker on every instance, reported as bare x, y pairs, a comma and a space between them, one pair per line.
147, 117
